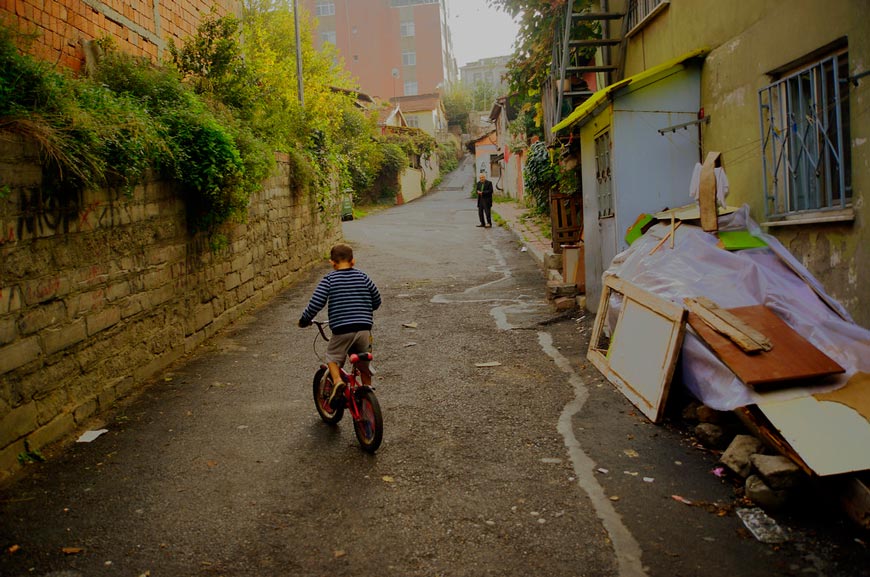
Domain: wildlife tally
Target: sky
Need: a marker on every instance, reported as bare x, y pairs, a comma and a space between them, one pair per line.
479, 31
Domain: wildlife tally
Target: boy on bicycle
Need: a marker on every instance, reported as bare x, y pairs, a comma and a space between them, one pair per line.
352, 298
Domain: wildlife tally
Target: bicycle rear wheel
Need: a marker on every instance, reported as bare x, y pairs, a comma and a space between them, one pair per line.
322, 388
369, 428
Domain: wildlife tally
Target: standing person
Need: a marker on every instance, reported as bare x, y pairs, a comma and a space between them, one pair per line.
484, 200
352, 298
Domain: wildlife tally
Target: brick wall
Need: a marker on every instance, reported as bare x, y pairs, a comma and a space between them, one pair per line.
101, 293
140, 27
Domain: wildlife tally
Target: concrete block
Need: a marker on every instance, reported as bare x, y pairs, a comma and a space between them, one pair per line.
232, 280
203, 315
764, 496
19, 354
552, 261
737, 457
10, 299
49, 405
556, 290
102, 320
564, 304
45, 289
85, 410
711, 435
18, 422
58, 428
58, 339
9, 458
8, 330
777, 471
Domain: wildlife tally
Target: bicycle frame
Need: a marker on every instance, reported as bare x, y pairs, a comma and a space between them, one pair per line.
351, 378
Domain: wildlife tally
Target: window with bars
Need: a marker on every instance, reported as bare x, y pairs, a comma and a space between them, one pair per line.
640, 11
409, 58
603, 175
323, 8
806, 154
407, 29
410, 88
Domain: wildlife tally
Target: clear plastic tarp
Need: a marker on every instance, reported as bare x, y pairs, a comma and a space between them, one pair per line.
697, 267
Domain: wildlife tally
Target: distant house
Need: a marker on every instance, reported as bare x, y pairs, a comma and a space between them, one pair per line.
426, 112
486, 156
390, 115
511, 152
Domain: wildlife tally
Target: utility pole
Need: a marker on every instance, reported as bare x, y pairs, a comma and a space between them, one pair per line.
298, 54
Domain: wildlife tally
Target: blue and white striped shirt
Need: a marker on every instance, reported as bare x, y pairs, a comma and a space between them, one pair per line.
352, 298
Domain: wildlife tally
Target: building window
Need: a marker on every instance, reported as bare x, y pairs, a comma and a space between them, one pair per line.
328, 36
806, 154
413, 121
400, 3
603, 175
410, 88
356, 57
325, 8
642, 11
407, 29
409, 58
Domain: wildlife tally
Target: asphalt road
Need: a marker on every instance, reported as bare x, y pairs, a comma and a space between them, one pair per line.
531, 466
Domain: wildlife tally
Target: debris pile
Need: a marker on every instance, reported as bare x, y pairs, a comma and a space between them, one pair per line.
756, 335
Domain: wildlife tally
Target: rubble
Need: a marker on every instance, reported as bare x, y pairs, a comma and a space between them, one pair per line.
738, 456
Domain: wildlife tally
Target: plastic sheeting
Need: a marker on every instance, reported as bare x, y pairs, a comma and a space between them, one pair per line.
697, 267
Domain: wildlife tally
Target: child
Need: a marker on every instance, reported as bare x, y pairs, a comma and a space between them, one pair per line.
352, 298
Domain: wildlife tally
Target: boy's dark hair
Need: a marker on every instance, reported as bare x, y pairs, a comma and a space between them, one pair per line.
341, 253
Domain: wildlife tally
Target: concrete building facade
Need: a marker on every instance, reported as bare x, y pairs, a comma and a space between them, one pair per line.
392, 47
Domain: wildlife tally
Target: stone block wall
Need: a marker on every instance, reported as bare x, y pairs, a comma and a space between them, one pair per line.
99, 293
142, 28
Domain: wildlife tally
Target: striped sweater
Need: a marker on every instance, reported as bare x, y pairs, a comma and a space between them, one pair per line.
352, 297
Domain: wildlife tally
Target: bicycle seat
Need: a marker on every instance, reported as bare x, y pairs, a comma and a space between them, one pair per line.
355, 358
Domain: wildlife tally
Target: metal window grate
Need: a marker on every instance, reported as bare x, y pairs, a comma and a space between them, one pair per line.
804, 121
638, 10
603, 175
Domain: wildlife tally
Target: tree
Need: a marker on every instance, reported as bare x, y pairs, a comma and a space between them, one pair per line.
457, 104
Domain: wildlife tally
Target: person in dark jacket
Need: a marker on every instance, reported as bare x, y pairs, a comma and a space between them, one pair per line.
484, 200
352, 298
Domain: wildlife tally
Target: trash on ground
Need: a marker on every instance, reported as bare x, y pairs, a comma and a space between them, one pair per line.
488, 364
761, 525
409, 325
603, 470
72, 550
89, 436
411, 344
681, 499
631, 453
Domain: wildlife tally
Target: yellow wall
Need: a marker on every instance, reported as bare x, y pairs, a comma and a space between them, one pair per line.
748, 39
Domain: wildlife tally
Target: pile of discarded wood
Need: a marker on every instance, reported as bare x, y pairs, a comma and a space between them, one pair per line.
757, 334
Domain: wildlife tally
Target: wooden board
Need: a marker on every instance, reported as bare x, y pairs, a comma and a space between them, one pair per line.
791, 360
640, 357
831, 438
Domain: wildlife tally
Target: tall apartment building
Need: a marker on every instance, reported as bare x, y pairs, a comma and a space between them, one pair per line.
392, 47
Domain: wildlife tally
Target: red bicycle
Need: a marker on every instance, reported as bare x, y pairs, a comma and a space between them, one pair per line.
357, 398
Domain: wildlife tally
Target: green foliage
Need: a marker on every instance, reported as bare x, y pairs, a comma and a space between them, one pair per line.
413, 141
457, 104
540, 176
448, 156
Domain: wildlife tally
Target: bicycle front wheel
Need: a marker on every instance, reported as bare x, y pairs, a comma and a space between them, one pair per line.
322, 388
370, 426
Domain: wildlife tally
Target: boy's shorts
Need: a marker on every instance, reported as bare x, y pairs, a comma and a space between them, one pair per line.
341, 345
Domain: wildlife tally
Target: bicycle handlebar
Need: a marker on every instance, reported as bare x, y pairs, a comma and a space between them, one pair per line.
320, 325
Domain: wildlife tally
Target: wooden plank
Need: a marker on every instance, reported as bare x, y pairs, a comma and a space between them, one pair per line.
831, 438
640, 358
707, 193
669, 234
791, 359
743, 335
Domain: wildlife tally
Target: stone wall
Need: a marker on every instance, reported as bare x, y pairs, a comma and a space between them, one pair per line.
64, 27
99, 293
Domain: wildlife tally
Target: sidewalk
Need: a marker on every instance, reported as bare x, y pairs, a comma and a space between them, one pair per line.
527, 231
